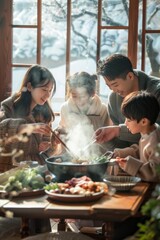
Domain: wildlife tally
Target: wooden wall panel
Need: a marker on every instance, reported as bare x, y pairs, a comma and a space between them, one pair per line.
5, 48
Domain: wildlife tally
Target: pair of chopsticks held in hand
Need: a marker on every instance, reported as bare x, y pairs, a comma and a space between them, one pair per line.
56, 135
69, 150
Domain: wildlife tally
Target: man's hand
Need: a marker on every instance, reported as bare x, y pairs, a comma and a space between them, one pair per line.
106, 134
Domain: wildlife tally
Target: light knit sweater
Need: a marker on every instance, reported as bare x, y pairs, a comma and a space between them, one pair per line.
97, 114
141, 159
81, 126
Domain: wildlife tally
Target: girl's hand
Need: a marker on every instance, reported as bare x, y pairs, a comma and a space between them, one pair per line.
43, 146
30, 128
122, 162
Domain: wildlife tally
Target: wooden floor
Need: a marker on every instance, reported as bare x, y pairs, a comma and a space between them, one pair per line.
10, 228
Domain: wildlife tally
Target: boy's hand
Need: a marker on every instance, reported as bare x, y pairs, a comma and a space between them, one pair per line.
122, 162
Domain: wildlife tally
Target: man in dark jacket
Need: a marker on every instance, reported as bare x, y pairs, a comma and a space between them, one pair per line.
122, 79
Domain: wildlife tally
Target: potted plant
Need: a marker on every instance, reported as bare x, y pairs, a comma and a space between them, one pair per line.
150, 230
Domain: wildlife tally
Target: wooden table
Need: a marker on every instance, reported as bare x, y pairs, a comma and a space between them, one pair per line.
109, 209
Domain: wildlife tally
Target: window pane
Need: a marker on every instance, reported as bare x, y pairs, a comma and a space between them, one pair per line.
114, 41
152, 62
139, 51
53, 49
24, 45
153, 15
115, 12
25, 12
152, 46
104, 90
84, 36
54, 32
17, 77
59, 97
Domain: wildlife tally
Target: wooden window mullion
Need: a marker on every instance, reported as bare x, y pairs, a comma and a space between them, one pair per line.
39, 26
5, 48
68, 42
143, 34
133, 31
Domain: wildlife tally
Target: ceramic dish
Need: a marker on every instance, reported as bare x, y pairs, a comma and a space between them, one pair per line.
121, 183
32, 193
74, 198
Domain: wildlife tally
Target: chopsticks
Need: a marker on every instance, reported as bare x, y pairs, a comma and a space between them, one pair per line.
88, 145
64, 145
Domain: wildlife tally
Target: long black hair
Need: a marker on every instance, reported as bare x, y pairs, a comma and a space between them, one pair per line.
37, 76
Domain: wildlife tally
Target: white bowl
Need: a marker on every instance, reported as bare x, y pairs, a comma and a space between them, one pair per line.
121, 183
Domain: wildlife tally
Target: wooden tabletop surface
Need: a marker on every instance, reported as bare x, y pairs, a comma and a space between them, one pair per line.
113, 208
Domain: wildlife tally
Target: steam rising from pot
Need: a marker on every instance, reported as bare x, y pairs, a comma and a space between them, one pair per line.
79, 137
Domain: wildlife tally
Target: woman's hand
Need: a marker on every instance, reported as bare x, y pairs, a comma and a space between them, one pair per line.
43, 146
30, 128
106, 134
59, 132
122, 162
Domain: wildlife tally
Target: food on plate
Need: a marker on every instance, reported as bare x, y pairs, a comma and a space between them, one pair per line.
77, 186
26, 179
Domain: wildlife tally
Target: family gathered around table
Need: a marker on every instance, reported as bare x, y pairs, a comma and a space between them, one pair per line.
127, 127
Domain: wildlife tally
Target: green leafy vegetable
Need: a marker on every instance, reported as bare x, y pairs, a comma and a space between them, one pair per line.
102, 159
27, 179
51, 186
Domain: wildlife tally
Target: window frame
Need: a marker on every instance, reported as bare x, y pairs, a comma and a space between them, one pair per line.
6, 65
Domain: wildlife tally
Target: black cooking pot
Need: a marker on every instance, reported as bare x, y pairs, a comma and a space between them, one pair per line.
65, 169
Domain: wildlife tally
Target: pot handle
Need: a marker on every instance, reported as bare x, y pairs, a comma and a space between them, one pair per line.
109, 154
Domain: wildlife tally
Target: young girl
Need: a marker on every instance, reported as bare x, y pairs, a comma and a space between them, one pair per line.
83, 112
81, 115
28, 111
141, 110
